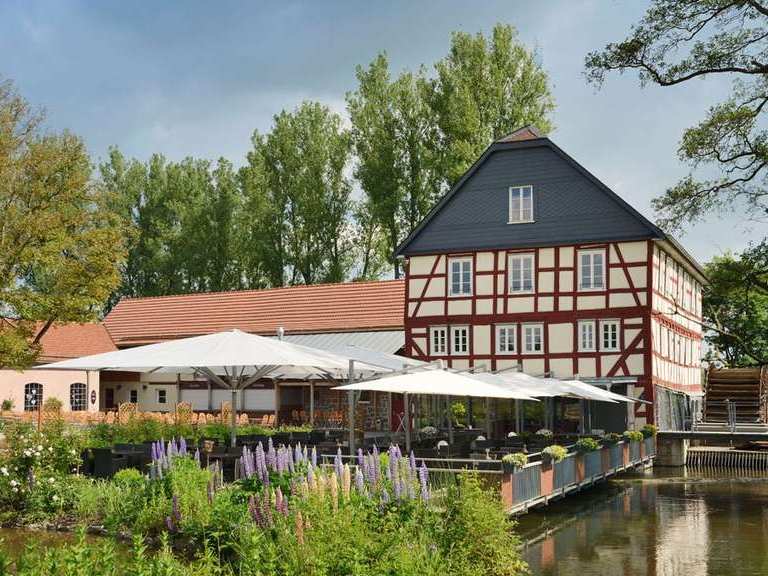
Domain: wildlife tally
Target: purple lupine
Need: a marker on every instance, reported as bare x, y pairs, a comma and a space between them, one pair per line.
169, 524
182, 446
412, 462
175, 508
314, 457
256, 515
297, 453
197, 456
360, 457
289, 458
385, 497
359, 481
397, 488
310, 475
337, 464
266, 507
423, 480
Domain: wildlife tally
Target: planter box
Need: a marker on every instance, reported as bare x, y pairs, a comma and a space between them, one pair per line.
564, 473
593, 463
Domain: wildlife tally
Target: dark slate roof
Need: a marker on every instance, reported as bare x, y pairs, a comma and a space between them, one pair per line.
570, 204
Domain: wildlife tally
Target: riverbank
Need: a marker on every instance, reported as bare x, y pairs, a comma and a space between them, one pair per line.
662, 522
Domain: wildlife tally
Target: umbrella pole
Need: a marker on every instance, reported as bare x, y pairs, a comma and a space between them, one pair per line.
450, 420
233, 417
407, 403
351, 403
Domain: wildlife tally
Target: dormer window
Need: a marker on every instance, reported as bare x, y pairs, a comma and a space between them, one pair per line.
520, 204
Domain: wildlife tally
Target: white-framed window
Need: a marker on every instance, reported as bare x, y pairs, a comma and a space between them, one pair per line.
33, 396
133, 396
77, 394
533, 338
460, 340
520, 204
506, 339
587, 336
438, 340
162, 396
591, 270
460, 276
520, 272
609, 330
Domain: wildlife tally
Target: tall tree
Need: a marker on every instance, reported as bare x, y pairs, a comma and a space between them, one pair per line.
391, 127
298, 174
485, 88
184, 215
735, 307
61, 244
678, 41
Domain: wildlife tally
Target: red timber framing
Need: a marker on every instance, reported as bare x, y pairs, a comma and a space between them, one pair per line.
556, 303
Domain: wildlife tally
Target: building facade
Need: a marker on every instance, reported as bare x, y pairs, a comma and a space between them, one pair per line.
77, 390
529, 262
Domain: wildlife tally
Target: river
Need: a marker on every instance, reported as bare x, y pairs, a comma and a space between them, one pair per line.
653, 525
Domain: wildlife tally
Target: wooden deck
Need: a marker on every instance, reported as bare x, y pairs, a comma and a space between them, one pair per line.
538, 484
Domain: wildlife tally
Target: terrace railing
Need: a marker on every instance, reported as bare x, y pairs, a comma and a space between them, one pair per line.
537, 483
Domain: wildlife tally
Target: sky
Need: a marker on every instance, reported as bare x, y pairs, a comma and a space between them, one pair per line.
196, 78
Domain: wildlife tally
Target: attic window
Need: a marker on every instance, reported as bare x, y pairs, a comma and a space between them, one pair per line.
520, 204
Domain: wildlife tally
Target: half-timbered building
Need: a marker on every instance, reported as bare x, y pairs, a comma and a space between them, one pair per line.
530, 262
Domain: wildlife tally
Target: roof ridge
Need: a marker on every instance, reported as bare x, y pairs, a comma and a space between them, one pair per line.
261, 290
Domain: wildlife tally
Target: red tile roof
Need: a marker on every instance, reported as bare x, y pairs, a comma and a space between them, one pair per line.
64, 341
348, 307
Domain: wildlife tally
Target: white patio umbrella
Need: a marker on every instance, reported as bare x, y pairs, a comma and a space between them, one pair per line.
435, 382
233, 359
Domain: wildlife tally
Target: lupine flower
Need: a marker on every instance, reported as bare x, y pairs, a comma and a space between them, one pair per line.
314, 457
359, 481
334, 486
423, 480
197, 456
182, 447
360, 457
385, 497
299, 528
337, 463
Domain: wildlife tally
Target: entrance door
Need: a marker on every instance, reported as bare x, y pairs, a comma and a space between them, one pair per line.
109, 398
398, 412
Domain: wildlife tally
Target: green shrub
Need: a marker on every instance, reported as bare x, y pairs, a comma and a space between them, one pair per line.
649, 430
611, 438
633, 435
585, 445
7, 405
555, 452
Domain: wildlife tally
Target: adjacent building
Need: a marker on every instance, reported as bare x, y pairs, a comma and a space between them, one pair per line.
530, 262
78, 391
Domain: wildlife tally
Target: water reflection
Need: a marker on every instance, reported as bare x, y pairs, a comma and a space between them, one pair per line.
655, 526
